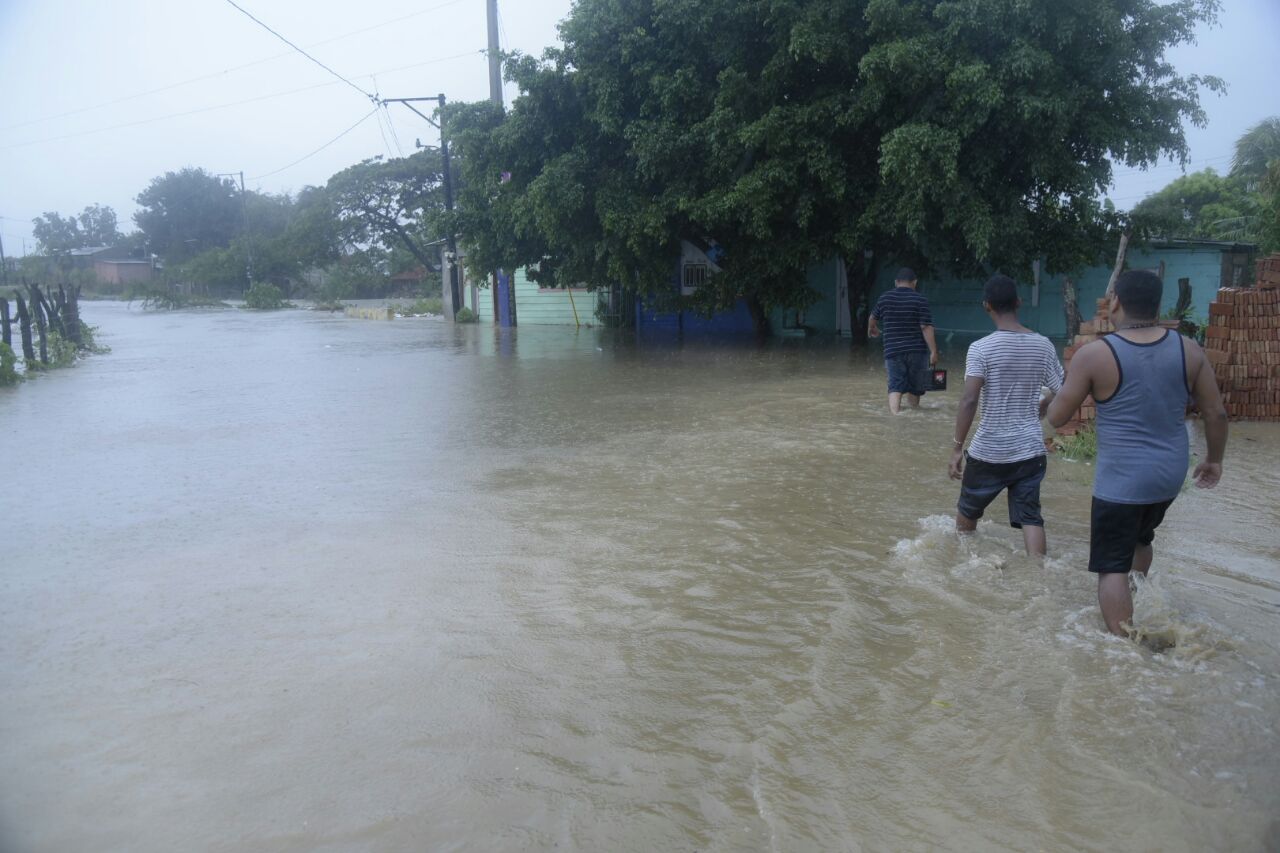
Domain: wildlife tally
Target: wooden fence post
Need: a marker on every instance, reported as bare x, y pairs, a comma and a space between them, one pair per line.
43, 328
24, 326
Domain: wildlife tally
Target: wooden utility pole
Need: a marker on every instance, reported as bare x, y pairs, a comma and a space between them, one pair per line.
451, 243
1120, 256
495, 57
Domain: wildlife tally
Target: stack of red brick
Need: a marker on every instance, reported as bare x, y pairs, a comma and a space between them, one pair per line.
1242, 343
1090, 331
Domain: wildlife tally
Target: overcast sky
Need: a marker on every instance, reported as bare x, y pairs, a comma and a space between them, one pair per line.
98, 98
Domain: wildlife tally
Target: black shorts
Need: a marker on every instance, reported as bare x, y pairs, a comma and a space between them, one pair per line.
984, 481
1116, 531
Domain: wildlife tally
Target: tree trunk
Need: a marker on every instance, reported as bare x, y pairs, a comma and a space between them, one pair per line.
1120, 256
759, 317
52, 320
24, 326
73, 314
43, 327
1184, 297
1070, 308
862, 278
6, 334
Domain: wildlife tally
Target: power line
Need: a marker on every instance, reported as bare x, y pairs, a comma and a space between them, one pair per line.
167, 116
1190, 163
225, 71
233, 103
301, 51
318, 150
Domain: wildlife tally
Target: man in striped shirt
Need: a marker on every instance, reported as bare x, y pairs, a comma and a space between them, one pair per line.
1006, 369
908, 339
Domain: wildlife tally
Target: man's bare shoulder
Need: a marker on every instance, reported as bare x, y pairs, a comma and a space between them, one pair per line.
1091, 353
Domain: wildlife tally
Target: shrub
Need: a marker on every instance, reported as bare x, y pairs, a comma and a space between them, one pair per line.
62, 352
89, 340
9, 374
263, 296
465, 315
162, 298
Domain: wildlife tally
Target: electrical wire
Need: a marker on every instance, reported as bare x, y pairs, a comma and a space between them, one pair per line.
318, 150
233, 103
225, 71
301, 51
392, 127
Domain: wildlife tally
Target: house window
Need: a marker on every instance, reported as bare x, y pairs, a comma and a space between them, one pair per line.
695, 275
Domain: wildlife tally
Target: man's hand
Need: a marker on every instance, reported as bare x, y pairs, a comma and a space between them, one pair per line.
933, 359
956, 466
1207, 474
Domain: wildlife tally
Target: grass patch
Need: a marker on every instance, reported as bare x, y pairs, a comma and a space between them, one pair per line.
433, 305
1081, 447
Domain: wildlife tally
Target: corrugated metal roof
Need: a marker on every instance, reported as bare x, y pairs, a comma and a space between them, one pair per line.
89, 250
1224, 245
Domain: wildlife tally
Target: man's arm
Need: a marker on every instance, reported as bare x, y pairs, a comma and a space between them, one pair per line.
1209, 400
964, 420
932, 341
1076, 387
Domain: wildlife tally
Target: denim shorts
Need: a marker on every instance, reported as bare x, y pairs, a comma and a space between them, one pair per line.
908, 372
984, 481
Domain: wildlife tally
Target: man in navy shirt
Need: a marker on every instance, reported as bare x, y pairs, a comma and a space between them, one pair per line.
910, 348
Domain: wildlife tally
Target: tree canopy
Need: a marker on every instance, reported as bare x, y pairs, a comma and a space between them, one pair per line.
187, 212
952, 134
1242, 206
56, 234
1202, 205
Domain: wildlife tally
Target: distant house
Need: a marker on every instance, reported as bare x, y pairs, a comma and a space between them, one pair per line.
84, 259
112, 271
409, 281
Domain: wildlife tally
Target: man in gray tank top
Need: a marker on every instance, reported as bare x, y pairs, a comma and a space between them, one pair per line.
1141, 378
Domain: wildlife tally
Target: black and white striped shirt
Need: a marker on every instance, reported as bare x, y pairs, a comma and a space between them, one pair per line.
1013, 367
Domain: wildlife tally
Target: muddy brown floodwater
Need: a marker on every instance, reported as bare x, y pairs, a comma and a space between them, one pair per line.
293, 582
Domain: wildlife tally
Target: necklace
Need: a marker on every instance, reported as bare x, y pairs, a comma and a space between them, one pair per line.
1146, 325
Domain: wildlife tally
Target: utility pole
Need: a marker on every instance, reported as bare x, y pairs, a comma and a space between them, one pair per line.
451, 244
495, 58
244, 223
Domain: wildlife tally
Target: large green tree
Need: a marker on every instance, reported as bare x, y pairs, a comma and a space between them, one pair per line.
1202, 205
389, 203
95, 226
187, 212
951, 133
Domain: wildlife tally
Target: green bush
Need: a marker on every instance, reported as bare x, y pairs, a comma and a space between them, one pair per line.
62, 352
9, 374
89, 340
465, 315
265, 297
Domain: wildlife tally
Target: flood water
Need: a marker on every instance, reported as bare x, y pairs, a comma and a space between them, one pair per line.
294, 582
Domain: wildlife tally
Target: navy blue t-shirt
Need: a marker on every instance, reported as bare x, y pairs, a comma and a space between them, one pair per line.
900, 313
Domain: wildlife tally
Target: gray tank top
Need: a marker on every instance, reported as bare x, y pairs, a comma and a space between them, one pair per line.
1142, 435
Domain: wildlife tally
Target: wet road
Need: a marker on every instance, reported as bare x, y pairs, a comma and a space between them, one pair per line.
293, 582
